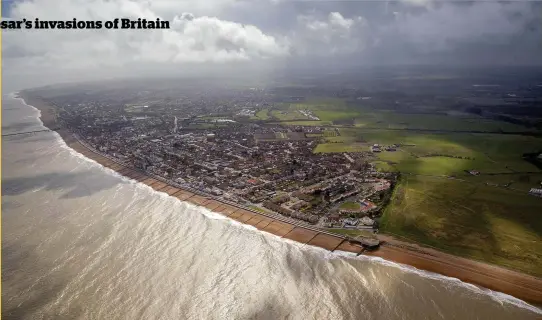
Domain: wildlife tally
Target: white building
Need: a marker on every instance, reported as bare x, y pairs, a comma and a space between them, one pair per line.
367, 221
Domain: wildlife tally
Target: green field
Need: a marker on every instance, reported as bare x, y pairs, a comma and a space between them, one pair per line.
338, 147
522, 181
288, 115
261, 115
439, 153
393, 120
368, 114
467, 218
314, 135
492, 224
307, 123
258, 209
350, 206
329, 110
330, 133
437, 203
383, 166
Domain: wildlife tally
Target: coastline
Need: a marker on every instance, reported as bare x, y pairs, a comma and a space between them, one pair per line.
518, 285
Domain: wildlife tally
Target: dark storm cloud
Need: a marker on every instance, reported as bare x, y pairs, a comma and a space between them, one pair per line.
278, 33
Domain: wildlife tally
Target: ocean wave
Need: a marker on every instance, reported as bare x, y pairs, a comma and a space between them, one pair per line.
494, 295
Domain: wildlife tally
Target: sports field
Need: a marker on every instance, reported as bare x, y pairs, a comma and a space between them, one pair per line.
350, 206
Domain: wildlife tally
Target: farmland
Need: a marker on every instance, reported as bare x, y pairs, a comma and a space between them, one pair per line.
261, 115
473, 220
368, 115
339, 147
437, 203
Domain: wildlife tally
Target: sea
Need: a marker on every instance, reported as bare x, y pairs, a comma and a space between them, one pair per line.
79, 241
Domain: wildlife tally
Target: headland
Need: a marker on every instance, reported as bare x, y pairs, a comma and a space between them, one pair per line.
522, 286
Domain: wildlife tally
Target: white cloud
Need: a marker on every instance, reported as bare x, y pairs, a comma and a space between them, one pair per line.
211, 36
419, 3
333, 34
448, 25
191, 39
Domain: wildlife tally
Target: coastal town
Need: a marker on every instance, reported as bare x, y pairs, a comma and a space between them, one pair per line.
271, 159
351, 170
266, 167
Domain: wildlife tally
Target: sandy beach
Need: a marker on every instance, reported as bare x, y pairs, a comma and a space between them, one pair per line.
522, 286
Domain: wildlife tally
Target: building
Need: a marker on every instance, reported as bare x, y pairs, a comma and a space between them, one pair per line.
367, 221
536, 192
211, 137
367, 206
351, 221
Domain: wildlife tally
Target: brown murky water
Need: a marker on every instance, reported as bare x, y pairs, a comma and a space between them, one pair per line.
81, 242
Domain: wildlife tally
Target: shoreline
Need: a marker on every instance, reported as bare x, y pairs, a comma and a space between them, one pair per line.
518, 285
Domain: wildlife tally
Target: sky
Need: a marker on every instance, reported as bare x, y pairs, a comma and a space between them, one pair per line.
244, 36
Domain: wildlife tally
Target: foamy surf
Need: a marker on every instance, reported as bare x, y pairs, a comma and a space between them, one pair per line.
495, 295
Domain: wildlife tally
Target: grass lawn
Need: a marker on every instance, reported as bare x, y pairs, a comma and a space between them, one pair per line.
487, 153
258, 209
288, 115
262, 114
339, 147
332, 115
350, 206
368, 115
313, 135
523, 181
434, 166
306, 123
329, 109
346, 139
386, 119
384, 167
492, 224
330, 133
